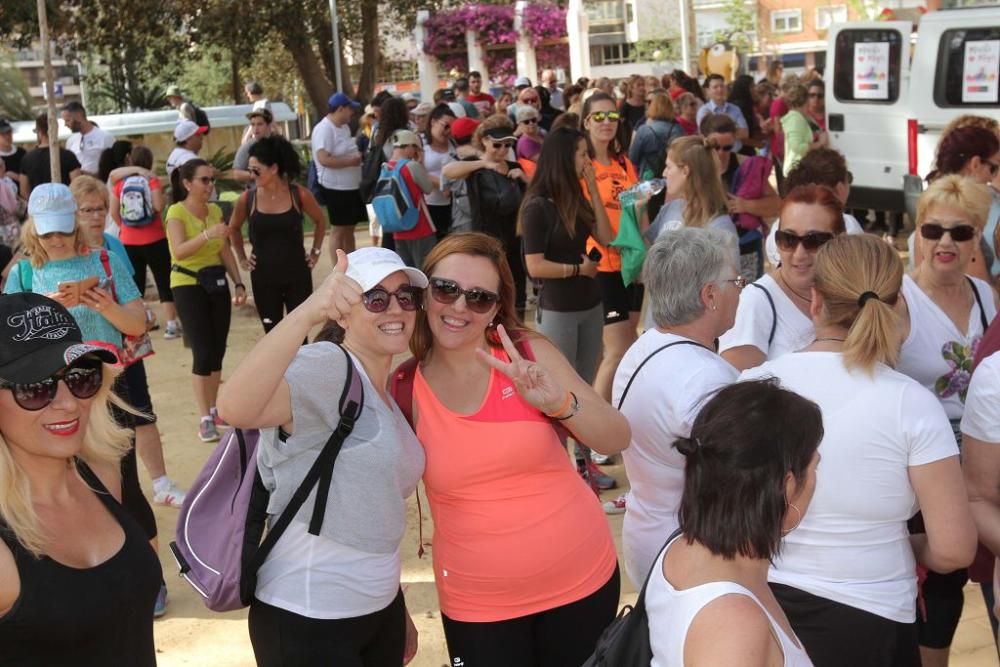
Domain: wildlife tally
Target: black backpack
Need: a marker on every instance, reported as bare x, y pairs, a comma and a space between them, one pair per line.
494, 201
200, 117
371, 171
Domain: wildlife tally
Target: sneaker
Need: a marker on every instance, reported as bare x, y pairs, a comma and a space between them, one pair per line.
604, 482
207, 431
216, 419
173, 330
616, 506
601, 459
170, 496
160, 608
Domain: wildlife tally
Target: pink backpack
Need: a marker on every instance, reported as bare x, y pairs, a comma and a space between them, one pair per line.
218, 544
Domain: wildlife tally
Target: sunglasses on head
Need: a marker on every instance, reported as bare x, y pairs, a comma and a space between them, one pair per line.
376, 300
609, 116
477, 299
83, 379
932, 231
810, 241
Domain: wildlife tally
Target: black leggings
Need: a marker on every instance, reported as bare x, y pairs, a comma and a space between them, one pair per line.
273, 301
205, 318
156, 256
560, 637
284, 639
133, 500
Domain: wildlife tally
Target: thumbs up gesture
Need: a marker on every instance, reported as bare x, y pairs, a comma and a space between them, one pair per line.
336, 296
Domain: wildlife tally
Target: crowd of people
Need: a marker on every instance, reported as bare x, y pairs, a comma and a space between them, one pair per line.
808, 426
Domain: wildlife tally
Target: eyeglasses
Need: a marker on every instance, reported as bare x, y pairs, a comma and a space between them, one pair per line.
497, 145
817, 96
83, 380
477, 299
254, 170
739, 281
376, 300
530, 121
207, 180
932, 231
91, 211
810, 241
724, 148
531, 100
49, 235
609, 116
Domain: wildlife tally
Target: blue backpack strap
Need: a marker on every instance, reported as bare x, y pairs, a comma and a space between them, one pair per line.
397, 173
774, 312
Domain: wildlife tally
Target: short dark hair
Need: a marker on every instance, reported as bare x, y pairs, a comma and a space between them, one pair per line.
744, 442
461, 84
276, 150
717, 122
820, 166
440, 111
712, 77
42, 123
254, 88
475, 75
74, 106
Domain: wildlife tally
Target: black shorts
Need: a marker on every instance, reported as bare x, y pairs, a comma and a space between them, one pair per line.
618, 299
344, 207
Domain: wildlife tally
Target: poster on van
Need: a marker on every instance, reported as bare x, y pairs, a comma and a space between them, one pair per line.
979, 71
871, 71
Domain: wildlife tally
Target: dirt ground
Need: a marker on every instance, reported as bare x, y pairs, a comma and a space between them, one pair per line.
191, 635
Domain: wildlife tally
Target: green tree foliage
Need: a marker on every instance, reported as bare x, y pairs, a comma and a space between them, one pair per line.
741, 24
15, 99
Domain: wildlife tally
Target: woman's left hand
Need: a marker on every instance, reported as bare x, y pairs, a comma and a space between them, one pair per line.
410, 648
239, 295
515, 174
97, 299
532, 380
735, 204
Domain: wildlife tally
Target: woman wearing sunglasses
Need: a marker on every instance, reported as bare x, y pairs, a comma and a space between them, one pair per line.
280, 270
201, 258
846, 578
946, 311
524, 564
334, 598
774, 313
78, 580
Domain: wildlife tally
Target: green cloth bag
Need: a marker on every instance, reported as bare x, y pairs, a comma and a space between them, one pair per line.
629, 243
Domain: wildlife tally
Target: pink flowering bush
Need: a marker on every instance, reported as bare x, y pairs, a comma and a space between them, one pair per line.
544, 22
552, 56
443, 34
502, 66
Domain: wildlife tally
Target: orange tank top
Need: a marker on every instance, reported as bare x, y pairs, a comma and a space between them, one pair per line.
516, 531
612, 180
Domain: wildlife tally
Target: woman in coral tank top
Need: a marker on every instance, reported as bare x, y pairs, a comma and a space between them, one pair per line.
525, 567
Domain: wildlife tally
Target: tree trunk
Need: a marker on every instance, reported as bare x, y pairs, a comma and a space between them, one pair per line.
370, 49
234, 70
317, 85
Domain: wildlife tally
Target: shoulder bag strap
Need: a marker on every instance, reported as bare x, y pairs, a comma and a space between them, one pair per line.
655, 352
979, 302
640, 602
774, 312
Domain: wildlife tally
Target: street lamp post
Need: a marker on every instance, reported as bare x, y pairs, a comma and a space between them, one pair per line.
336, 45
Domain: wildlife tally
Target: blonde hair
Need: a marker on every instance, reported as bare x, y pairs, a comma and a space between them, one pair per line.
958, 192
796, 96
105, 441
704, 196
491, 123
85, 185
33, 245
848, 267
661, 107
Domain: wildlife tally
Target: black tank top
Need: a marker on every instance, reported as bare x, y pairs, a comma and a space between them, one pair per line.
277, 241
98, 617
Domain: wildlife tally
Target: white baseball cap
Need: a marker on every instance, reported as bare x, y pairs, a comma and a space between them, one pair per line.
53, 209
370, 266
186, 129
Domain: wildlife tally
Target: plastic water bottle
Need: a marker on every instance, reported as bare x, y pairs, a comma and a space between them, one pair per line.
642, 190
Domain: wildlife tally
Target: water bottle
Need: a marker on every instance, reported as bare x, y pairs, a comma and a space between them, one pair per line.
644, 189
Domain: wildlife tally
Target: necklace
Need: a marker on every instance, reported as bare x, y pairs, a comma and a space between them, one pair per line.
821, 340
789, 288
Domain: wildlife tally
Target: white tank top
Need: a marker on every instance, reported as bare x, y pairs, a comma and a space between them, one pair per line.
671, 613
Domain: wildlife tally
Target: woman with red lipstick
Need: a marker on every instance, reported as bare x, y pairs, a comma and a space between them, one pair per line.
773, 317
946, 312
78, 580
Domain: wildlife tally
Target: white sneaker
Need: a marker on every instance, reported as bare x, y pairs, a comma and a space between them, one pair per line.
171, 496
600, 459
173, 330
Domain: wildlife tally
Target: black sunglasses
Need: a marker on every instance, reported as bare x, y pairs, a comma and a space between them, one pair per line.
530, 121
477, 299
254, 170
933, 231
810, 241
83, 379
376, 300
497, 145
724, 148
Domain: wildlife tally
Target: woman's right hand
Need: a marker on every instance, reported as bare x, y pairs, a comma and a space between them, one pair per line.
588, 267
217, 231
336, 296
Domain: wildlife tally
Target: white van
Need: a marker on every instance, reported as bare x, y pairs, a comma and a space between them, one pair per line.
886, 109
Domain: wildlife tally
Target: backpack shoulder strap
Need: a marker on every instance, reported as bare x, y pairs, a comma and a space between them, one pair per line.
401, 387
774, 312
25, 272
979, 302
640, 602
655, 352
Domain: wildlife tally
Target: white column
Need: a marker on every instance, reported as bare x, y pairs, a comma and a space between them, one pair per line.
577, 27
476, 61
426, 64
527, 65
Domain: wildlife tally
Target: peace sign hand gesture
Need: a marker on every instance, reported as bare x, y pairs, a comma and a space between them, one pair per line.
532, 380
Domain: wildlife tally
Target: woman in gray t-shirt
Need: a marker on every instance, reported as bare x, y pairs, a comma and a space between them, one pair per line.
336, 594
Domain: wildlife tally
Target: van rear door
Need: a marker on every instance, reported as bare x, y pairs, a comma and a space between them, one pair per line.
867, 107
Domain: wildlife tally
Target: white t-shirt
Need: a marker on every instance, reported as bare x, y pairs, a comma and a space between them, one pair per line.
852, 546
755, 318
935, 353
434, 162
851, 226
88, 148
660, 406
177, 157
982, 404
338, 142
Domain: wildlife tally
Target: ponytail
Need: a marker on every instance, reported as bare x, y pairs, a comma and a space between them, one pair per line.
859, 277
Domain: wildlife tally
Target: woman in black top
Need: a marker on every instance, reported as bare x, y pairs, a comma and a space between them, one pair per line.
280, 268
78, 580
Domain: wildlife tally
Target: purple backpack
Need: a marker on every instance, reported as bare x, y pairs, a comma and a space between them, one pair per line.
218, 547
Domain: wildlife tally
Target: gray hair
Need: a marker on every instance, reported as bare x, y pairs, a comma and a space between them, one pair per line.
679, 265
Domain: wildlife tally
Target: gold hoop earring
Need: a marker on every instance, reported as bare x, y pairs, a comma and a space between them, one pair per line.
785, 532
